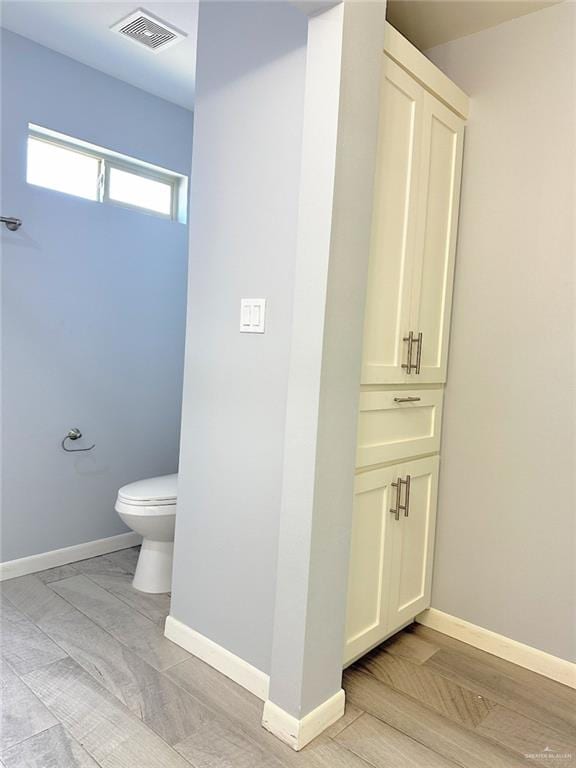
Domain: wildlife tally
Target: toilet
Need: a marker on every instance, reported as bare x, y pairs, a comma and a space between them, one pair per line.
149, 508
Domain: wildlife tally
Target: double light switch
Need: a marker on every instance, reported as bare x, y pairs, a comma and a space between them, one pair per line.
252, 315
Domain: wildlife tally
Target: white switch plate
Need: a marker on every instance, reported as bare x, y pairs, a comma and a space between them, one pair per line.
252, 315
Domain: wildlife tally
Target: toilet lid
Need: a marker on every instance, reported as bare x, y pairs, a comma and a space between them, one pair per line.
154, 490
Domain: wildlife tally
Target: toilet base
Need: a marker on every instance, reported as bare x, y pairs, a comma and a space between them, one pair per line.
154, 569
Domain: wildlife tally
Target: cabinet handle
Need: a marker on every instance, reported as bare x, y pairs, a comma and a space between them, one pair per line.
408, 364
406, 506
398, 486
407, 399
412, 339
419, 352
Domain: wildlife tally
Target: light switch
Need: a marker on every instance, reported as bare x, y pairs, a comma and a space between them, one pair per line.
252, 315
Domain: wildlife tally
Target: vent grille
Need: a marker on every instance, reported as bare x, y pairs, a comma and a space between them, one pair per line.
145, 29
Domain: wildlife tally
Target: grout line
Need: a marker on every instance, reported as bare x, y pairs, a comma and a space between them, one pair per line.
36, 626
121, 598
363, 759
105, 691
506, 704
97, 624
234, 726
514, 672
95, 621
407, 735
444, 758
126, 574
468, 728
360, 714
59, 724
98, 682
23, 741
412, 670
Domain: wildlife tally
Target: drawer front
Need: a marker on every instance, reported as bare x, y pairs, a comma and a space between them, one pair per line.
398, 424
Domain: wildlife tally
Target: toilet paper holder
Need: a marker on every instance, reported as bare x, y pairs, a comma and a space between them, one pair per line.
74, 434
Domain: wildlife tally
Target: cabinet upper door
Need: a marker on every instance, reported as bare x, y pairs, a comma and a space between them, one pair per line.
412, 543
369, 562
436, 228
389, 285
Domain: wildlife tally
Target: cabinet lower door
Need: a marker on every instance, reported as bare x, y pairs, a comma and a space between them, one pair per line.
436, 225
411, 542
370, 560
389, 286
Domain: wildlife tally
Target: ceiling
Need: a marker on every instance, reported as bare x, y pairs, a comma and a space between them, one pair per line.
427, 23
80, 29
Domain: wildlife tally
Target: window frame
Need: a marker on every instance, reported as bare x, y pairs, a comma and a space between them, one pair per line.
109, 160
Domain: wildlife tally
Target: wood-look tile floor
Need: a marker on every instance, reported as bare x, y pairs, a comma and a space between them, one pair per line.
89, 681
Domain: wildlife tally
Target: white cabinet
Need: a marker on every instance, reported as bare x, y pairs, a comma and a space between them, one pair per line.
391, 551
367, 620
389, 287
412, 541
416, 198
436, 225
405, 346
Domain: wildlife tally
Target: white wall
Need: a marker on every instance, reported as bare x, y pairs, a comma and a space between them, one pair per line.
93, 308
505, 555
244, 188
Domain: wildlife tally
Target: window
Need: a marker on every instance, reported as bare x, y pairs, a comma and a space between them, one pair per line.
69, 165
55, 167
133, 189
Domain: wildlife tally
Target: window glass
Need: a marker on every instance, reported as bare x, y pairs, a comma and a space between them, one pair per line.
62, 169
130, 188
74, 166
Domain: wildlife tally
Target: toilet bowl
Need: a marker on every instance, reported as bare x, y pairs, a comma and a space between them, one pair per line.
149, 508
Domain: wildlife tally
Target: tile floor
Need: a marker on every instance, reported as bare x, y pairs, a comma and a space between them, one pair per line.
88, 681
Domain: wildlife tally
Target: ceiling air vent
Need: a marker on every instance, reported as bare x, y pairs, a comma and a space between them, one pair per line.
148, 30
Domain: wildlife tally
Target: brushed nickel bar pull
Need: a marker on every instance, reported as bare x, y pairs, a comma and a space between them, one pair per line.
11, 223
398, 486
419, 352
407, 496
407, 399
404, 507
408, 364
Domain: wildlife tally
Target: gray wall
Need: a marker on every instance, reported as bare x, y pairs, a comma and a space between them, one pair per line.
505, 547
93, 308
245, 176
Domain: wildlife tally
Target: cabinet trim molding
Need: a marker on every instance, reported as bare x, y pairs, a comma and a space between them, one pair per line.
424, 71
526, 656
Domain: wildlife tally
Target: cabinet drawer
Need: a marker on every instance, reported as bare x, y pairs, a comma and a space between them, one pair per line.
389, 430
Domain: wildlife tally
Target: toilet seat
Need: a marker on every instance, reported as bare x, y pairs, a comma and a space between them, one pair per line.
144, 510
152, 492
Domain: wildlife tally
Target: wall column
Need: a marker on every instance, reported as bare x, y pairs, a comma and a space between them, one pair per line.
344, 59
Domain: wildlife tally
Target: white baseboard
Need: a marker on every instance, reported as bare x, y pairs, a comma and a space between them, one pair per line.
504, 647
25, 565
297, 733
243, 673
